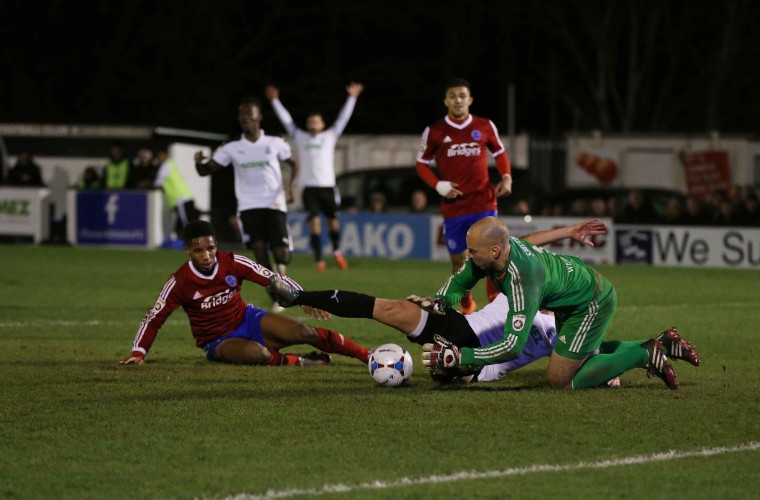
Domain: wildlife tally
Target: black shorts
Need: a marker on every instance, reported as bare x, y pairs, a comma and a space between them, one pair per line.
453, 326
321, 199
265, 224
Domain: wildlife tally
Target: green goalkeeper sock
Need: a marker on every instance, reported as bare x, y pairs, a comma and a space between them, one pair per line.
612, 346
600, 368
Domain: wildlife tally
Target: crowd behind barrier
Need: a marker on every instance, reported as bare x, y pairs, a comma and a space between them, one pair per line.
736, 206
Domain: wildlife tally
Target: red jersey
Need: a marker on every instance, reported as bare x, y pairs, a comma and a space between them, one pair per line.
459, 151
212, 303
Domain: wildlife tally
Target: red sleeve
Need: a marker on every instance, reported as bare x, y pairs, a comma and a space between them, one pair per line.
257, 273
503, 165
166, 302
427, 174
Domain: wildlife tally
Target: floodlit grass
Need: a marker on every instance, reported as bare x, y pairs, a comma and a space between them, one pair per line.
75, 424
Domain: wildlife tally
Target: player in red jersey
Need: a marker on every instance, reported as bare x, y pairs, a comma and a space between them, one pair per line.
458, 143
208, 289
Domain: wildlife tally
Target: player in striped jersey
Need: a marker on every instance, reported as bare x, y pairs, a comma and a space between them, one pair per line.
583, 301
208, 286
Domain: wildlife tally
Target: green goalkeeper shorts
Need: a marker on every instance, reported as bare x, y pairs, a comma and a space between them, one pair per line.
582, 331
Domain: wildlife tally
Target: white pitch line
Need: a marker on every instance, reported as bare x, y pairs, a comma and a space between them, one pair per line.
515, 471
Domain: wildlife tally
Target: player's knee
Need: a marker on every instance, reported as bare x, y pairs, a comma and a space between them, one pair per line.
306, 334
282, 257
556, 381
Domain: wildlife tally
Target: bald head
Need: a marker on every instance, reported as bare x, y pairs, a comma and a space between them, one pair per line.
488, 243
490, 231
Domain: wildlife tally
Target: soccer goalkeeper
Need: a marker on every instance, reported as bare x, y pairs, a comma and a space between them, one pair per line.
582, 300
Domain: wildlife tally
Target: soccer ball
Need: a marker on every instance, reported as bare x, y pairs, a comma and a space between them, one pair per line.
390, 365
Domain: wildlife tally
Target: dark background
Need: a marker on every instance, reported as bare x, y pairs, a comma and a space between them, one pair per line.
618, 66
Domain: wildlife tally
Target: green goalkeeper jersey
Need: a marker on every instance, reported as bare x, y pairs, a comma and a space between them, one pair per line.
532, 279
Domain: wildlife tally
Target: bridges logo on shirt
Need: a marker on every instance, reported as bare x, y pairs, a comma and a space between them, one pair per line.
469, 149
518, 322
218, 299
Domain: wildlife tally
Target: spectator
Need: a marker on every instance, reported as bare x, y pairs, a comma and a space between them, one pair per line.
90, 179
521, 207
579, 208
142, 174
418, 202
673, 213
638, 210
377, 203
695, 214
116, 171
750, 213
598, 207
725, 215
613, 207
26, 172
176, 192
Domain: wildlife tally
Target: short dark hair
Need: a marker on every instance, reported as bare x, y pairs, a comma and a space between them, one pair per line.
197, 229
250, 101
457, 82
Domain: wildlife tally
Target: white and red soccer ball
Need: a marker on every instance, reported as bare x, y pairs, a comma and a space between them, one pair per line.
390, 365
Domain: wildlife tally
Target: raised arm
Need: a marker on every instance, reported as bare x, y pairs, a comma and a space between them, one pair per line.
353, 90
579, 232
273, 94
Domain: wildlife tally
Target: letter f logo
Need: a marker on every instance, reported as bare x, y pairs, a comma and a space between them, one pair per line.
112, 206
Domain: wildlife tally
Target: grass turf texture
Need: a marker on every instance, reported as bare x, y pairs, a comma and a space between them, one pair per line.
77, 424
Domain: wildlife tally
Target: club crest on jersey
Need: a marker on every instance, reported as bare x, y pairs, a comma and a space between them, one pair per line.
518, 322
230, 280
475, 134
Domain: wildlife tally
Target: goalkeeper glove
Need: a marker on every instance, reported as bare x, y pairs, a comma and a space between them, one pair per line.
431, 305
441, 356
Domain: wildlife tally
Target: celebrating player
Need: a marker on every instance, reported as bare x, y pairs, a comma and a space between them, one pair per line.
316, 151
208, 289
261, 197
583, 301
458, 144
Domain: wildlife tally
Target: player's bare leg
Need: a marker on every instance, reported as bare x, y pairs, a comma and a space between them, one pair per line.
315, 231
261, 253
402, 315
243, 352
282, 331
399, 314
334, 224
457, 261
282, 258
561, 370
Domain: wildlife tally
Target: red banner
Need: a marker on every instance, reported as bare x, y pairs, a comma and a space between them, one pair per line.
706, 171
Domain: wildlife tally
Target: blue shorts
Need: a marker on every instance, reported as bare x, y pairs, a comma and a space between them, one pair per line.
455, 230
249, 329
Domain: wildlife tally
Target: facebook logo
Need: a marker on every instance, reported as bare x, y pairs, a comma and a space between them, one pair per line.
112, 218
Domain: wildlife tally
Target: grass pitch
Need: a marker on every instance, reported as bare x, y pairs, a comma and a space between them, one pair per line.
75, 424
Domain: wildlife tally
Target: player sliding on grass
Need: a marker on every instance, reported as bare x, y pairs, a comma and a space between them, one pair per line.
474, 330
583, 302
228, 330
